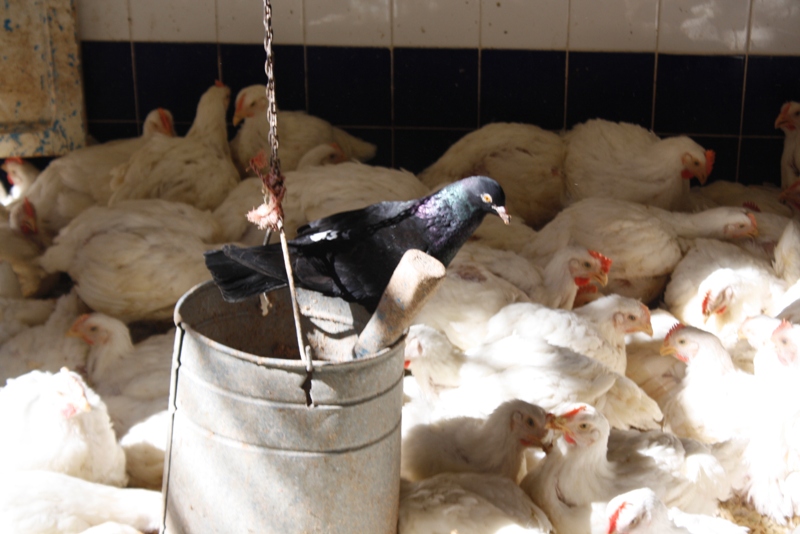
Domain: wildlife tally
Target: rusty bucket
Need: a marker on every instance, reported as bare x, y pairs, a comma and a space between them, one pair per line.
246, 453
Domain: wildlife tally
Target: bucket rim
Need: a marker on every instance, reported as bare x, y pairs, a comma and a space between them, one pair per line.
280, 363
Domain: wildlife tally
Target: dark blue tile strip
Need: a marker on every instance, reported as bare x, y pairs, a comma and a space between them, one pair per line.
612, 86
523, 86
436, 97
436, 87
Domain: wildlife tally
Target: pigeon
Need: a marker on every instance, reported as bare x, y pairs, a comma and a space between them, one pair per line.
353, 254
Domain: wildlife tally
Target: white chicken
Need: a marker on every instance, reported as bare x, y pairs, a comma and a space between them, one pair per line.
482, 280
640, 511
773, 452
80, 179
468, 503
577, 472
46, 346
132, 379
788, 120
757, 198
43, 502
626, 162
495, 445
297, 131
714, 401
55, 422
475, 382
145, 447
644, 242
526, 161
20, 175
17, 314
135, 260
556, 285
196, 169
597, 329
716, 286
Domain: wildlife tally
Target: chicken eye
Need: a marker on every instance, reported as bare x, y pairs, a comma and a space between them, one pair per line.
631, 317
486, 197
530, 421
583, 426
92, 329
587, 264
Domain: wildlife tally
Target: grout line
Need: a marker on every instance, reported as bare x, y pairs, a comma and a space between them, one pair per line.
133, 71
216, 35
655, 66
305, 56
744, 88
391, 83
480, 62
566, 69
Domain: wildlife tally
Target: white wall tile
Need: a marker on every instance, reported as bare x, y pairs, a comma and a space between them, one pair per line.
103, 20
703, 26
242, 21
178, 21
613, 25
348, 22
776, 27
524, 24
437, 23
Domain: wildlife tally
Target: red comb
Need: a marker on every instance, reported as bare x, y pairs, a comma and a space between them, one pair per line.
166, 123
753, 220
605, 263
706, 300
785, 325
28, 208
573, 413
675, 328
218, 83
14, 159
752, 206
710, 157
612, 521
239, 104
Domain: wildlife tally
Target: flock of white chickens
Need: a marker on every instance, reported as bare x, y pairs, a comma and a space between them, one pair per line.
544, 394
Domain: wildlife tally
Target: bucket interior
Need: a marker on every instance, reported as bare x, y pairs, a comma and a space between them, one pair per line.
330, 325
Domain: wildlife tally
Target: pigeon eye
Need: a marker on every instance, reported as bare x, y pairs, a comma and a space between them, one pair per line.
486, 197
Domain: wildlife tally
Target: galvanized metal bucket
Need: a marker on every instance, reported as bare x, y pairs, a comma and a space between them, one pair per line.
246, 453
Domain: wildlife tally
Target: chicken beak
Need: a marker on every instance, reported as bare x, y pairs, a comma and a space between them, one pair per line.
701, 177
667, 350
237, 119
553, 422
647, 329
601, 278
502, 213
782, 121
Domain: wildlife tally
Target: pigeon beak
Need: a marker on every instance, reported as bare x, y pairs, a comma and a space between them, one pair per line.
501, 211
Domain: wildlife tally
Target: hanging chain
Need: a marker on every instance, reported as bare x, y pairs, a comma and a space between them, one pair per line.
272, 108
273, 187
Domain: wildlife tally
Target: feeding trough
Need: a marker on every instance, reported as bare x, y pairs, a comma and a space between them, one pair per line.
247, 453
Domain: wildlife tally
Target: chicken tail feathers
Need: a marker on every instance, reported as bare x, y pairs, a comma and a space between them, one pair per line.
237, 281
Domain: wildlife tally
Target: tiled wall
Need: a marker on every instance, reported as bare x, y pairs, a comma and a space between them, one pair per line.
415, 75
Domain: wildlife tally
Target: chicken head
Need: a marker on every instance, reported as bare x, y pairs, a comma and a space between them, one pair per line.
69, 394
789, 117
635, 511
785, 340
589, 267
697, 165
745, 226
250, 101
634, 317
581, 425
159, 121
528, 423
